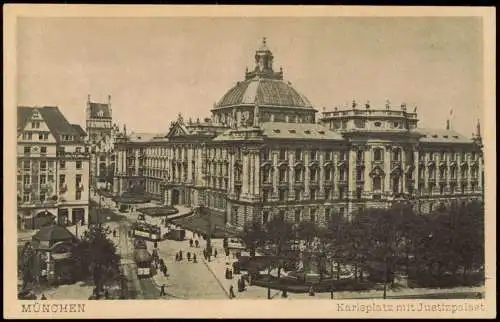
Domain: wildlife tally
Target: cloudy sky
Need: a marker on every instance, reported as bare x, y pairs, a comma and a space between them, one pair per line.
157, 67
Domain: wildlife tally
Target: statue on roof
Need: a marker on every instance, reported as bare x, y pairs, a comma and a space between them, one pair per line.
180, 119
415, 109
387, 104
354, 104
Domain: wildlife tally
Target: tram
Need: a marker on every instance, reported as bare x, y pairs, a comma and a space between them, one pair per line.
146, 231
143, 260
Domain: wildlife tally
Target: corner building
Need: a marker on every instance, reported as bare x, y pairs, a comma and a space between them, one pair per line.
52, 168
263, 154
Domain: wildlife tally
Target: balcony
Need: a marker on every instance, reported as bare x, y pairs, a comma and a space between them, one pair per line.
360, 163
431, 180
342, 182
27, 186
283, 183
442, 180
79, 187
267, 183
44, 186
237, 182
395, 164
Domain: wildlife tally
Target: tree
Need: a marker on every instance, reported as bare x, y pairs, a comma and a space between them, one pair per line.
252, 236
27, 258
279, 233
96, 255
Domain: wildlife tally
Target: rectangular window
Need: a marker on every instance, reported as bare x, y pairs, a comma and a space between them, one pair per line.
79, 164
27, 180
312, 213
78, 149
35, 124
43, 179
43, 149
40, 136
78, 179
42, 197
297, 194
282, 194
313, 194
78, 195
282, 154
62, 179
298, 154
27, 165
27, 149
62, 164
327, 194
26, 197
327, 215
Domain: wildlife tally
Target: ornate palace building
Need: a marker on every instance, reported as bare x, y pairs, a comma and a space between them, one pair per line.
52, 168
263, 154
101, 136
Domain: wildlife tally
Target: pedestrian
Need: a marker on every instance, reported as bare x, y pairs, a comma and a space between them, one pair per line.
311, 291
194, 258
43, 296
106, 294
227, 273
162, 290
176, 257
196, 243
114, 232
190, 243
156, 244
189, 256
284, 294
180, 255
164, 270
231, 292
215, 252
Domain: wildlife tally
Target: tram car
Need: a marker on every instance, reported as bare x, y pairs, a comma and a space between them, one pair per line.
143, 261
146, 231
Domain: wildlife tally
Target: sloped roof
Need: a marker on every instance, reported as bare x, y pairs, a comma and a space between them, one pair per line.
262, 91
142, 137
441, 136
97, 108
56, 121
299, 131
53, 233
79, 129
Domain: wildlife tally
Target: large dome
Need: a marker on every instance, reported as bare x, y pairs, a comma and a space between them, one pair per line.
264, 92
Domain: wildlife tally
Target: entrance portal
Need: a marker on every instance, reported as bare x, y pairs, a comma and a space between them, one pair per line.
175, 197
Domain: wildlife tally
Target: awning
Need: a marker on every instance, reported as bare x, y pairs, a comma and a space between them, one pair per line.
61, 256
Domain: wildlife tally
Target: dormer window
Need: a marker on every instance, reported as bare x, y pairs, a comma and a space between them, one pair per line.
292, 131
277, 131
377, 124
321, 132
307, 132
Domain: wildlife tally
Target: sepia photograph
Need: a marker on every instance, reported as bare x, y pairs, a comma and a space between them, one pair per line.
334, 158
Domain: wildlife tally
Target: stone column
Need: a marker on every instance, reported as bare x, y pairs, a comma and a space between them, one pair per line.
275, 176
336, 176
251, 173
367, 187
402, 188
387, 170
469, 173
321, 175
307, 173
190, 164
256, 184
416, 174
291, 175
351, 174
246, 175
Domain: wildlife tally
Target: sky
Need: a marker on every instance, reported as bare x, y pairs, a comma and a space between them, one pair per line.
154, 68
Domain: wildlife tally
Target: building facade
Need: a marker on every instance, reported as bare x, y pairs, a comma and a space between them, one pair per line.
101, 136
263, 154
52, 168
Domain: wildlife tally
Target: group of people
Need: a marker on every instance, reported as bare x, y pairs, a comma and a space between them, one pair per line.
189, 256
158, 262
196, 243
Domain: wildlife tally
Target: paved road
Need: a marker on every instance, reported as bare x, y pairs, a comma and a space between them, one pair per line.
188, 280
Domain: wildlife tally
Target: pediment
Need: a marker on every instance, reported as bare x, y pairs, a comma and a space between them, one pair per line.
377, 171
177, 130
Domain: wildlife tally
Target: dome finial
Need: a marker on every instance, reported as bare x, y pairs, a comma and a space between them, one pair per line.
264, 40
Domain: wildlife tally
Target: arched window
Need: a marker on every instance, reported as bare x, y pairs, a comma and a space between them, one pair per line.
377, 183
396, 155
378, 154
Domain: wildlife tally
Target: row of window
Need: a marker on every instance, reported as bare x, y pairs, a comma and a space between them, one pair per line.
42, 136
43, 196
27, 179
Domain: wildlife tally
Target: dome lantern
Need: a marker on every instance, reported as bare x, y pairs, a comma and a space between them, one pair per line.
264, 64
